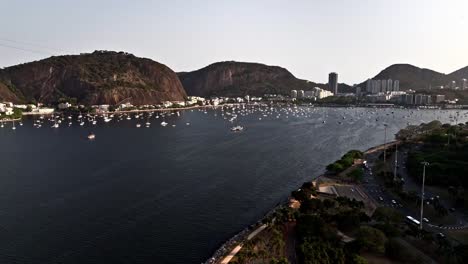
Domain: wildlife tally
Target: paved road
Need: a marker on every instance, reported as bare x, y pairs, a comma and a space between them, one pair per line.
379, 194
412, 185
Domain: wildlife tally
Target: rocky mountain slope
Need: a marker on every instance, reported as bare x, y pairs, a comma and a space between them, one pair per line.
101, 77
232, 78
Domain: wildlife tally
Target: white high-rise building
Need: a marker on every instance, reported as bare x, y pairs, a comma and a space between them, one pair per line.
378, 86
396, 86
384, 86
293, 93
390, 85
300, 94
369, 86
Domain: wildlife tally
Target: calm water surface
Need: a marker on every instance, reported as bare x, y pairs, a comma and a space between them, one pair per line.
166, 194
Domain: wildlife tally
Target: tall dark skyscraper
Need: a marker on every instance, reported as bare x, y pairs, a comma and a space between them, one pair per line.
333, 82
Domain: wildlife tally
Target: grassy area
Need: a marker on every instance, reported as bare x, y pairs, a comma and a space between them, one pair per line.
345, 162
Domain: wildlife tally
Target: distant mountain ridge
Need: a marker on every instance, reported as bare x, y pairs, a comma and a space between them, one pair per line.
108, 77
101, 77
231, 78
415, 78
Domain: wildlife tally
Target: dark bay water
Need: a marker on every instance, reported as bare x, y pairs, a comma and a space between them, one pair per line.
165, 194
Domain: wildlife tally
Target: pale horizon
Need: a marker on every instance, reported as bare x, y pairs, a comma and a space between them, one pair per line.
309, 39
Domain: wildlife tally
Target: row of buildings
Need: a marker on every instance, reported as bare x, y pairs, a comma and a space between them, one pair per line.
7, 109
382, 86
406, 98
315, 93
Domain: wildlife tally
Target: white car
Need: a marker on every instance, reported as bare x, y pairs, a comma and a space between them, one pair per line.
426, 220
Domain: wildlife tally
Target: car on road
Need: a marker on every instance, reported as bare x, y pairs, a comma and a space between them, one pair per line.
426, 220
381, 198
394, 202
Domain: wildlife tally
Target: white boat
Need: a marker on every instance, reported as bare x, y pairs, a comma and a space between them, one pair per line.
91, 136
55, 125
148, 123
82, 124
163, 123
237, 128
138, 125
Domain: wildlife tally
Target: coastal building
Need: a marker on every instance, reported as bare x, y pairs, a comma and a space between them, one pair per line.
369, 86
6, 109
390, 85
21, 106
309, 94
422, 99
382, 86
358, 91
167, 104
379, 97
65, 105
440, 98
300, 94
323, 93
293, 93
333, 82
409, 99
396, 86
125, 105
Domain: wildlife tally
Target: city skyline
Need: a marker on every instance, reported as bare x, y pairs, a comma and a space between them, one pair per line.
273, 33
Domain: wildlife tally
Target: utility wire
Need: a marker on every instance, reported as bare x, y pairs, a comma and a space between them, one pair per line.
29, 44
24, 49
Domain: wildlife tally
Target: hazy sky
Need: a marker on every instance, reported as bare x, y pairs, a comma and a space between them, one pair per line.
356, 38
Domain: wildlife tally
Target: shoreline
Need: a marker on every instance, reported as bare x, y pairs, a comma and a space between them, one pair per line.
141, 110
231, 246
10, 120
231, 105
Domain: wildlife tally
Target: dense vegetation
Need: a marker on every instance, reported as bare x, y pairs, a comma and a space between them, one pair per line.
446, 149
17, 113
345, 162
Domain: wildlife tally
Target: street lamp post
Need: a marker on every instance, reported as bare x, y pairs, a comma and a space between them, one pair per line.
424, 163
385, 151
396, 163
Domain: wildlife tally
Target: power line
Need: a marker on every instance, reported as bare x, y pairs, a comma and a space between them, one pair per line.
27, 50
29, 44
